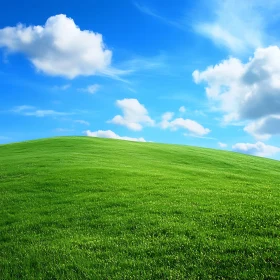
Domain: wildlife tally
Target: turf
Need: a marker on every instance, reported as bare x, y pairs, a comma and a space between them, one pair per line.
89, 208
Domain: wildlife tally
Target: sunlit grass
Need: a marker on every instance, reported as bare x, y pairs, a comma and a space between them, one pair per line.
87, 208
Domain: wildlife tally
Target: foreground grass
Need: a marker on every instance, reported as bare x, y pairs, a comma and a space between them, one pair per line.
86, 208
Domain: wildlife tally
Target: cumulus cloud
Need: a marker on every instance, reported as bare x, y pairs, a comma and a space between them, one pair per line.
59, 48
222, 145
111, 134
190, 125
90, 89
247, 91
258, 149
165, 119
135, 115
264, 128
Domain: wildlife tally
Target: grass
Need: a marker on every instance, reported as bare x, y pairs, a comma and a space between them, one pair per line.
89, 208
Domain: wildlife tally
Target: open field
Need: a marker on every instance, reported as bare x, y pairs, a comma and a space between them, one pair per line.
89, 208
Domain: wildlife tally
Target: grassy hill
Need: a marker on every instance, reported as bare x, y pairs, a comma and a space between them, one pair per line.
89, 208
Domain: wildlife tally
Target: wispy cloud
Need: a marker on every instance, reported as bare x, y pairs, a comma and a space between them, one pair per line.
82, 122
145, 63
116, 74
62, 130
62, 87
131, 89
45, 113
26, 110
197, 136
240, 26
22, 108
148, 11
137, 65
92, 89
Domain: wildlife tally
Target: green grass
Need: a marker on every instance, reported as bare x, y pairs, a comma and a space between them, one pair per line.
89, 208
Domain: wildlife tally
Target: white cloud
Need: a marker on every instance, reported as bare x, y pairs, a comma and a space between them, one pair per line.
247, 91
220, 76
166, 118
182, 109
32, 111
265, 127
59, 48
258, 149
90, 89
111, 134
222, 145
135, 115
221, 36
239, 25
197, 136
190, 125
82, 122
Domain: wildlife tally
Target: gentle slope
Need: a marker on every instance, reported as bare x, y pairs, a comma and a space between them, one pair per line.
89, 208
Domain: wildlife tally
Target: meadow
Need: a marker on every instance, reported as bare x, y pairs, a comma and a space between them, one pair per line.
91, 208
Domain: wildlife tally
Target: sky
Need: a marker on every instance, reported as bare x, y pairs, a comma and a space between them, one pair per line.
200, 73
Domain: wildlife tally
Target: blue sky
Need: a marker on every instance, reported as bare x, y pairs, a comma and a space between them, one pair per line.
203, 73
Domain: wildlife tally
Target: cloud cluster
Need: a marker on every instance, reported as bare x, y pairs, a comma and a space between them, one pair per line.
111, 134
192, 126
258, 149
59, 48
135, 115
247, 91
